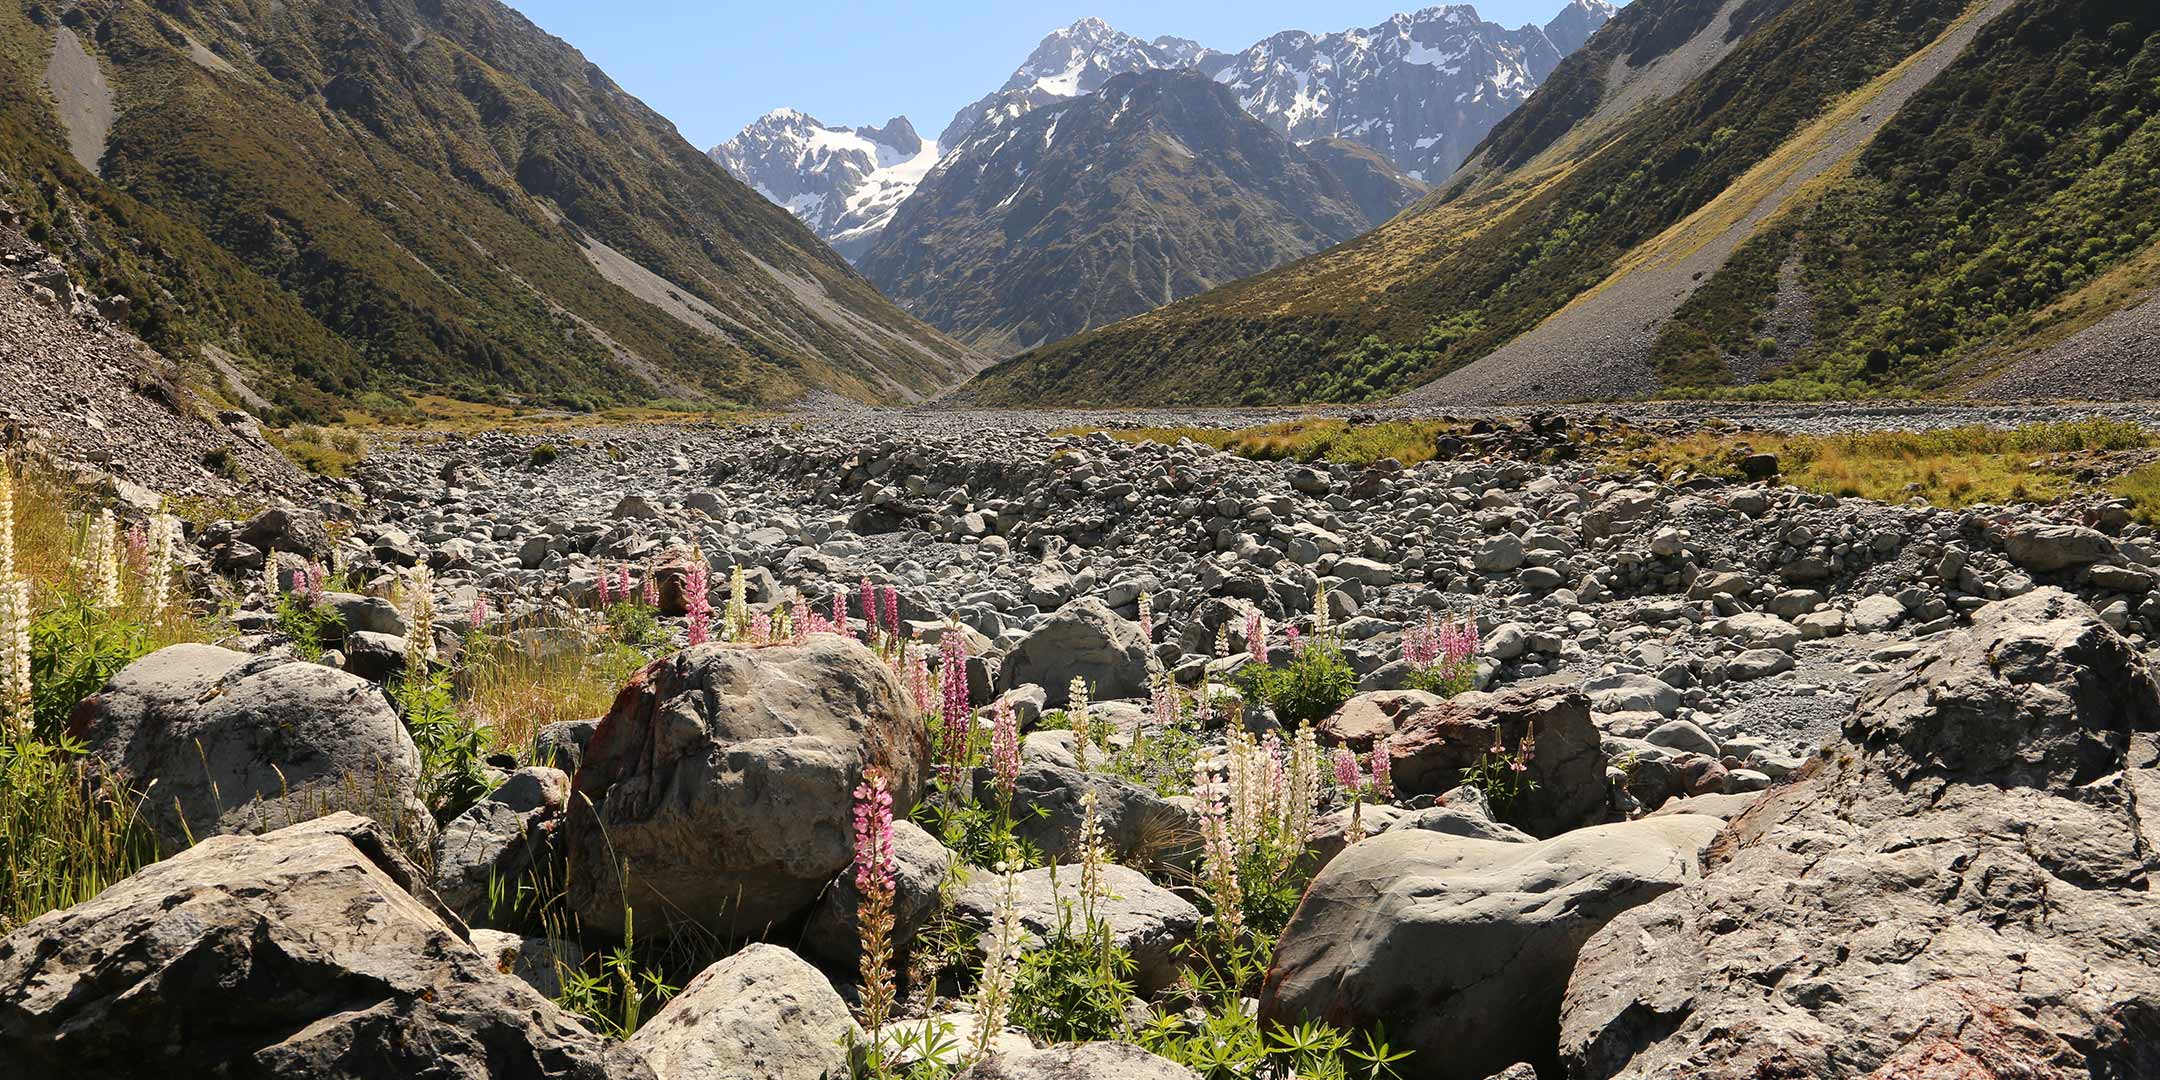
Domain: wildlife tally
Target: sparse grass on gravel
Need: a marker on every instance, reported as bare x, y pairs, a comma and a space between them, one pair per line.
1954, 467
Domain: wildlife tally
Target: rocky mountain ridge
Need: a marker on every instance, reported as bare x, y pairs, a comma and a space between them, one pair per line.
1419, 89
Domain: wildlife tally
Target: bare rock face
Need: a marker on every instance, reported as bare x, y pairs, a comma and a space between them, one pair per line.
1462, 947
1961, 889
717, 791
761, 1014
1086, 1061
1433, 746
301, 953
224, 742
1084, 640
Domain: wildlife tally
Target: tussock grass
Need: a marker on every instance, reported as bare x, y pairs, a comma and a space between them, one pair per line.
1335, 441
1953, 467
516, 684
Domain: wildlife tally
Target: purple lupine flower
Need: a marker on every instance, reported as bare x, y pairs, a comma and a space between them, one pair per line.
606, 587
697, 598
869, 610
1421, 645
891, 596
1005, 749
1297, 643
1383, 770
317, 583
1256, 636
761, 629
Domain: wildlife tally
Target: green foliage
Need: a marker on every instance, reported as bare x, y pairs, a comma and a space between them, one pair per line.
65, 832
76, 648
309, 625
1161, 761
1443, 679
1502, 778
453, 751
975, 829
1309, 688
635, 626
615, 997
1073, 987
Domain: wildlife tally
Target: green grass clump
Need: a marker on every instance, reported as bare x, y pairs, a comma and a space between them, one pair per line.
1954, 467
1335, 441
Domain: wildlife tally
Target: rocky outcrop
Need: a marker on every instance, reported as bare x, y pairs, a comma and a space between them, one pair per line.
223, 742
718, 789
1960, 889
1462, 948
1149, 922
1565, 766
500, 841
1088, 1061
300, 954
1084, 640
761, 1014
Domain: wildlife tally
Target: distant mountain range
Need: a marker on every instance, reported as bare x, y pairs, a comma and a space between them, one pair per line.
1776, 198
1084, 211
1419, 89
315, 203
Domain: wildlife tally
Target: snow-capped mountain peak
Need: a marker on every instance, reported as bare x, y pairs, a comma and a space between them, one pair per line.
844, 183
1420, 89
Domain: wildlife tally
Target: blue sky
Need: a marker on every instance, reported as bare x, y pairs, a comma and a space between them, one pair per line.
713, 67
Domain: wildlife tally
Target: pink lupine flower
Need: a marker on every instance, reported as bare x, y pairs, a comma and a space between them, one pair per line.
316, 585
1459, 640
622, 582
891, 596
1383, 770
138, 546
479, 611
869, 610
761, 629
918, 676
873, 834
1005, 749
652, 587
1165, 703
1297, 643
1421, 645
1256, 636
1147, 619
839, 612
698, 599
606, 585
1346, 770
952, 678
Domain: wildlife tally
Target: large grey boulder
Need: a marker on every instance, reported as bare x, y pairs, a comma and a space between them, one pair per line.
721, 783
2047, 549
1086, 1061
500, 840
920, 866
302, 953
225, 742
1146, 920
1462, 948
1960, 888
1138, 826
761, 1014
1087, 640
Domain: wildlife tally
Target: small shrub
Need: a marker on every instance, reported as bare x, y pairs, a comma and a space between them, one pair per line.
1309, 688
544, 455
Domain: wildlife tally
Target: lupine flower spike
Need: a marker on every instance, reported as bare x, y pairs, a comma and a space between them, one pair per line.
697, 598
1076, 710
1005, 750
14, 616
874, 888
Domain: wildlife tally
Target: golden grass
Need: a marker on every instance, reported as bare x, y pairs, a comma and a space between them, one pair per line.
1336, 441
1953, 467
437, 413
515, 686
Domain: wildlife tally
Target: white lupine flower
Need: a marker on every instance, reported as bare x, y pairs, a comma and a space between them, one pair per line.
1001, 965
101, 558
420, 617
164, 559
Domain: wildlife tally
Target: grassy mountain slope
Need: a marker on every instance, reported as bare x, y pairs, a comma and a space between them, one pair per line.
1678, 116
358, 197
1155, 187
